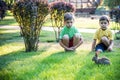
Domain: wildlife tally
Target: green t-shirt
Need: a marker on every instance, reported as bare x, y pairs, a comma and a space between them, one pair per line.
69, 31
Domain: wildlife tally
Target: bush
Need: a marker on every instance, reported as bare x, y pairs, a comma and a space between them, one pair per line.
58, 9
30, 15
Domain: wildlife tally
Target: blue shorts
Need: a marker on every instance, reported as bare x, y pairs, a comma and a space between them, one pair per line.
101, 46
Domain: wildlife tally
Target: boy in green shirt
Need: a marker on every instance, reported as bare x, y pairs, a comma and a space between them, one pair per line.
70, 37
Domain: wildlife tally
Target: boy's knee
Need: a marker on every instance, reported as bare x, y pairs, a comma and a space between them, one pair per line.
65, 37
77, 35
103, 39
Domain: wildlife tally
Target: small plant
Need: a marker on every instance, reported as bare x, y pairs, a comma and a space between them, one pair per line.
115, 15
58, 9
30, 14
3, 8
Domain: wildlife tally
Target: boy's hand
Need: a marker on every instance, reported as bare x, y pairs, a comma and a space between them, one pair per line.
109, 48
69, 49
73, 48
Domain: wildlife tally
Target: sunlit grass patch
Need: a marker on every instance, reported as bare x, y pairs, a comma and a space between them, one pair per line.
11, 47
8, 31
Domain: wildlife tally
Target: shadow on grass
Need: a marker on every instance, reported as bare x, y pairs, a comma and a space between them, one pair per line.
9, 37
18, 56
8, 21
47, 36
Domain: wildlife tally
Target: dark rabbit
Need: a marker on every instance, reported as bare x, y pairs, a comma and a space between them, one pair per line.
103, 60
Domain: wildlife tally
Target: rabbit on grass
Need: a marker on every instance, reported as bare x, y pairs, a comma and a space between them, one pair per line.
103, 60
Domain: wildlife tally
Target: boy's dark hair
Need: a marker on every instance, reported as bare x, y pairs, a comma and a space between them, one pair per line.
68, 16
104, 18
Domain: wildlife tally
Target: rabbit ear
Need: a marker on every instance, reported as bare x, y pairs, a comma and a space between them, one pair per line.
94, 58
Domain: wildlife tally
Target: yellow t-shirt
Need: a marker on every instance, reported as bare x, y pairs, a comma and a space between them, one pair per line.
100, 33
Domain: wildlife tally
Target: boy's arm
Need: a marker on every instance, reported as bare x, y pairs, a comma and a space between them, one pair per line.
111, 45
80, 42
93, 45
65, 47
111, 42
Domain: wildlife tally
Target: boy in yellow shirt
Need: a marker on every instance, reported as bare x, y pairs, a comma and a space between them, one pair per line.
103, 38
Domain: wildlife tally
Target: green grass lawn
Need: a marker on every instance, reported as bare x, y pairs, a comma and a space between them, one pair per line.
50, 62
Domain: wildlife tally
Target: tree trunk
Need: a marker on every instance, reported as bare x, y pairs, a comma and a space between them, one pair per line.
31, 44
31, 38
